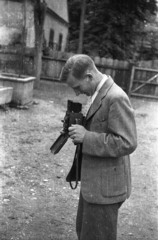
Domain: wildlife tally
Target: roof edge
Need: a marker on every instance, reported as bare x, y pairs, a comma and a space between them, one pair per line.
54, 14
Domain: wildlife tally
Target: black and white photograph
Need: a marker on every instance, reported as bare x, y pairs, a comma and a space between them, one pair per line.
78, 119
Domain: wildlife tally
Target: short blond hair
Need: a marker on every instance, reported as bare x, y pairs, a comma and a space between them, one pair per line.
77, 65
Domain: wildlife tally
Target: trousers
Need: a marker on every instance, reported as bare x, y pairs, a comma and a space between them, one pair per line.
95, 221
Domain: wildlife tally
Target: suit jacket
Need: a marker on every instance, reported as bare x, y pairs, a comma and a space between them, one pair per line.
111, 137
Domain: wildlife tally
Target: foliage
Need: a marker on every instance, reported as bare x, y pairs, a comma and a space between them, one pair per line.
110, 25
149, 36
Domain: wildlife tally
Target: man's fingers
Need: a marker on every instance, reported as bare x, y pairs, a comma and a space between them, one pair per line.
72, 133
61, 131
74, 126
71, 129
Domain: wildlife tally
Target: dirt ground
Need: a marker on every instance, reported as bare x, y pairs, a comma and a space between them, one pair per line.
36, 203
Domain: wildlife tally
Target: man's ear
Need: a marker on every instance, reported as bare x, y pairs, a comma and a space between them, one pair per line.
90, 76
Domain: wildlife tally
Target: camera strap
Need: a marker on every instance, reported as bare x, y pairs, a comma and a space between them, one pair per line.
76, 159
74, 175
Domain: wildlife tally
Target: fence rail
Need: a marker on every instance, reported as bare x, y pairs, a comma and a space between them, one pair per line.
144, 82
120, 71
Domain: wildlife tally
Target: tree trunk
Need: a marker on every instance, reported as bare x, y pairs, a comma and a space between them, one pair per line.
40, 9
83, 9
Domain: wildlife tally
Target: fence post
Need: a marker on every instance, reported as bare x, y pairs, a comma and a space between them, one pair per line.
131, 77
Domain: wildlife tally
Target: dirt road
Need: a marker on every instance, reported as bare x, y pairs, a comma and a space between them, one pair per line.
36, 203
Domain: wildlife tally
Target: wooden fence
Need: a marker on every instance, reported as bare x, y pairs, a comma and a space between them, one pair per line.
118, 70
128, 76
14, 62
144, 80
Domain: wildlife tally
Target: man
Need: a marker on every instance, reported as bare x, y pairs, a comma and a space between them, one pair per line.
107, 139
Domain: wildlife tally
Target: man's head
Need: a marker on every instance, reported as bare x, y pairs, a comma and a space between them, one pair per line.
81, 74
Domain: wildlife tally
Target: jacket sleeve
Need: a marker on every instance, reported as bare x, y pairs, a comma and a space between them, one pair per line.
120, 138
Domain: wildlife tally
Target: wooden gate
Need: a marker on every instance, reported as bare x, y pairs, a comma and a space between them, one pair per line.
144, 83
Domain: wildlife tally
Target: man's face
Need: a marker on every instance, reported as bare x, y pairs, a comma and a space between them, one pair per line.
82, 86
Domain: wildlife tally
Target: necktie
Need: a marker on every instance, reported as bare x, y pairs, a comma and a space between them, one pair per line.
86, 107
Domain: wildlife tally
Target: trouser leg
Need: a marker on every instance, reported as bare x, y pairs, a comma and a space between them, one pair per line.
96, 222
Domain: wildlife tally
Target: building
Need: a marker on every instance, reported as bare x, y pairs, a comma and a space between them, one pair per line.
17, 24
56, 24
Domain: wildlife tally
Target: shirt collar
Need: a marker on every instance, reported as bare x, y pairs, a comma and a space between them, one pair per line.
99, 87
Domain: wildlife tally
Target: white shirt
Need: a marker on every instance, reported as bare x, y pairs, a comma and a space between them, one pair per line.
98, 88
92, 98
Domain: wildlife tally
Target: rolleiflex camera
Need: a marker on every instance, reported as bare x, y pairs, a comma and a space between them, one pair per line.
73, 116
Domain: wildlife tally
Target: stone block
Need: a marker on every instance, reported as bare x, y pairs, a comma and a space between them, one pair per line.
22, 87
5, 95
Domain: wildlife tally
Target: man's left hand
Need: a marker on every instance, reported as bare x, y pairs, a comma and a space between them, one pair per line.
77, 133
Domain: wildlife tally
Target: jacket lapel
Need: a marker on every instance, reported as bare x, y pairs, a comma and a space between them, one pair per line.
98, 100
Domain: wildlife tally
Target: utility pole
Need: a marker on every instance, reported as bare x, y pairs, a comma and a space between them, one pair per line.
81, 33
23, 43
40, 8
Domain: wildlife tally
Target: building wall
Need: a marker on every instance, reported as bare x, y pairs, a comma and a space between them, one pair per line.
60, 7
58, 24
59, 28
12, 21
30, 29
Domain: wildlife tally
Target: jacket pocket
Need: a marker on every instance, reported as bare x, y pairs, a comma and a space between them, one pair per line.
113, 181
99, 125
102, 118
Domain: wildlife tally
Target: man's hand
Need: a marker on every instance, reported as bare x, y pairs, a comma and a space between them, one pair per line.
77, 133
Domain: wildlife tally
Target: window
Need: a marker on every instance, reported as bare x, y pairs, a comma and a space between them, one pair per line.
60, 42
51, 38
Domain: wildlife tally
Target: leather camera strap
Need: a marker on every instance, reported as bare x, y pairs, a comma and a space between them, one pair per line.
77, 166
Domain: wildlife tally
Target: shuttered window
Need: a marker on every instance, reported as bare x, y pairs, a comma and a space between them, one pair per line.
51, 38
60, 42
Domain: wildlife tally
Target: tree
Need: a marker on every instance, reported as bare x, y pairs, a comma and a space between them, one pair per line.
40, 8
74, 18
149, 48
109, 25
